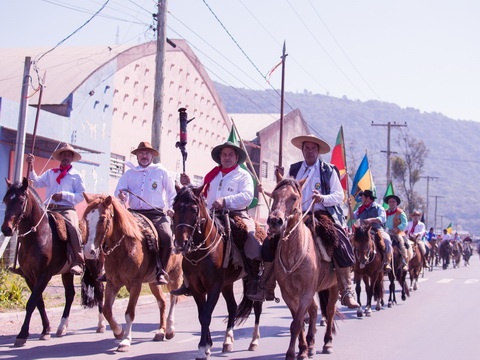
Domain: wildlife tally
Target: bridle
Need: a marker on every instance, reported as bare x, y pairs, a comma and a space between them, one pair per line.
103, 243
372, 251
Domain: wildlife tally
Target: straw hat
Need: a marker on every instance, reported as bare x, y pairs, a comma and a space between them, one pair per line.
66, 147
145, 146
323, 147
238, 150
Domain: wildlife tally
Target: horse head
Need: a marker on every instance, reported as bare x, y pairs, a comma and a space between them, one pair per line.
16, 205
287, 204
363, 244
190, 216
98, 220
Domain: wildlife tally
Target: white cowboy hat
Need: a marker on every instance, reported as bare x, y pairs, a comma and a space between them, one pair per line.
323, 147
66, 147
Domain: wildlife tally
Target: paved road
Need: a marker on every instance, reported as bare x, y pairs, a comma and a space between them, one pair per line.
439, 321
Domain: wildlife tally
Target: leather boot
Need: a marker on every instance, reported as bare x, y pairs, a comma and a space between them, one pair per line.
387, 267
347, 297
78, 262
267, 281
182, 290
163, 256
254, 292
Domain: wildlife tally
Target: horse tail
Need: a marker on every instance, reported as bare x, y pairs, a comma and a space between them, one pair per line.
91, 288
244, 308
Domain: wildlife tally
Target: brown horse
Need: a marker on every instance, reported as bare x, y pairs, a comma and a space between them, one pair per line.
208, 267
457, 250
368, 266
432, 257
42, 254
415, 265
445, 252
300, 270
130, 260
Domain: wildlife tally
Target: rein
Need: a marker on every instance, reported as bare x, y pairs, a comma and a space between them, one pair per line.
103, 242
371, 255
22, 214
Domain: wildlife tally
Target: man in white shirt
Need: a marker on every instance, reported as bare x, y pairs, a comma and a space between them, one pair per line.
150, 191
65, 187
416, 232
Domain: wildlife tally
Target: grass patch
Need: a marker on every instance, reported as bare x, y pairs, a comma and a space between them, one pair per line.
12, 291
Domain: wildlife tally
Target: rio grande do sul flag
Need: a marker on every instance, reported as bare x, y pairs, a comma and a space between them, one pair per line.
339, 160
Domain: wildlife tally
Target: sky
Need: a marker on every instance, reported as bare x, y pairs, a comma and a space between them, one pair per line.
421, 54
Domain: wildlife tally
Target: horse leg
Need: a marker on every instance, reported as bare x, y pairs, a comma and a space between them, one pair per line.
35, 300
254, 344
358, 290
312, 328
205, 306
229, 297
134, 291
329, 309
170, 331
162, 305
391, 297
296, 328
369, 291
111, 292
67, 280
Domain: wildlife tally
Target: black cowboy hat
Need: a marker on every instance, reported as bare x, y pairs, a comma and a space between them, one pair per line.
368, 193
397, 199
145, 146
242, 155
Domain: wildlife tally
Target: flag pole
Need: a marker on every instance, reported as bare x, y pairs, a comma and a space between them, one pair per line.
282, 97
254, 173
350, 211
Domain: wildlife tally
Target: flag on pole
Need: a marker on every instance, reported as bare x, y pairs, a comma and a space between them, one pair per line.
363, 180
449, 229
388, 192
233, 139
339, 160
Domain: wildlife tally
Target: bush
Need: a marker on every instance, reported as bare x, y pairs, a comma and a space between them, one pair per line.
12, 288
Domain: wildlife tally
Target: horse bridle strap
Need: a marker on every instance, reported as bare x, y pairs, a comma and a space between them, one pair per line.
300, 259
103, 243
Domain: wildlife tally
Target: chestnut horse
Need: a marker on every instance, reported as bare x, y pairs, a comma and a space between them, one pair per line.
415, 265
300, 270
208, 268
126, 242
457, 250
368, 266
41, 255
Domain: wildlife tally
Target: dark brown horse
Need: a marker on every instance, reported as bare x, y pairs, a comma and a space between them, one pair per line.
368, 266
445, 253
208, 267
397, 273
42, 254
432, 257
415, 265
127, 245
301, 270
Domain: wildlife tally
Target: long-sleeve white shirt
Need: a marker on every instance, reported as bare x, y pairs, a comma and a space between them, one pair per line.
153, 184
236, 188
312, 173
71, 186
419, 229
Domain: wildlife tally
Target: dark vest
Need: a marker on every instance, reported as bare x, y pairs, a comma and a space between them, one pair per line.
326, 171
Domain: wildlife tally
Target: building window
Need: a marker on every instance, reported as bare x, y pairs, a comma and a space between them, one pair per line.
264, 170
197, 180
117, 165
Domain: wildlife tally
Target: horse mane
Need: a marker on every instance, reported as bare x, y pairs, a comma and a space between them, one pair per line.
125, 222
288, 181
362, 235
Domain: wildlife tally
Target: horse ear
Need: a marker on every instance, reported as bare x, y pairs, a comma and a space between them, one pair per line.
9, 183
177, 186
87, 198
25, 182
108, 200
198, 190
302, 182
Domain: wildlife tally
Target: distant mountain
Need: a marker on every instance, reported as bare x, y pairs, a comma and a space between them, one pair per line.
454, 153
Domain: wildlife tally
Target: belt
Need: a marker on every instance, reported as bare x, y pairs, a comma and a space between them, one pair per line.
60, 207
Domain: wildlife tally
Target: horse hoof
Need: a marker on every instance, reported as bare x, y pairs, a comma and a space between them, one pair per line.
46, 336
170, 335
253, 347
368, 313
227, 348
119, 336
159, 337
123, 348
61, 332
311, 352
323, 323
359, 313
327, 349
20, 342
101, 330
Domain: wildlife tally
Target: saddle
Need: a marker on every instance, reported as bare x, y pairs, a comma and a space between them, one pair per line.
324, 233
148, 229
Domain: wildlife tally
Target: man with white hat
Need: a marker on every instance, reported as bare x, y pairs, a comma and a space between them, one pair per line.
416, 232
65, 187
150, 190
323, 187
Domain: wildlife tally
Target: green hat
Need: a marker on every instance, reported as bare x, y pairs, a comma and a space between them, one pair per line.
242, 155
397, 199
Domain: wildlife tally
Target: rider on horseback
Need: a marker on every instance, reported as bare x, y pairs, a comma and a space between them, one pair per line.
396, 224
416, 230
230, 187
65, 187
153, 192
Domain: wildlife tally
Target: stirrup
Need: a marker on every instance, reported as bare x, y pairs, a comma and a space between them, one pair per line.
182, 290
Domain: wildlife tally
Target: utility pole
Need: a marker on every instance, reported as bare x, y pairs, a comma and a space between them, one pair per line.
159, 76
428, 183
436, 199
389, 125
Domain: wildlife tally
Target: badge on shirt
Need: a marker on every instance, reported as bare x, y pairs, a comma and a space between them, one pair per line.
317, 186
154, 185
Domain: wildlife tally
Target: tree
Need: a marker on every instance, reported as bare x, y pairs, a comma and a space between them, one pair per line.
407, 169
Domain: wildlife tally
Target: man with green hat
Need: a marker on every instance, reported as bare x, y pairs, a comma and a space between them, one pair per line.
228, 186
396, 223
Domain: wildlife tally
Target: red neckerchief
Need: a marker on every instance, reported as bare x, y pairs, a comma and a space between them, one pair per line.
212, 174
63, 172
414, 225
393, 212
362, 208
